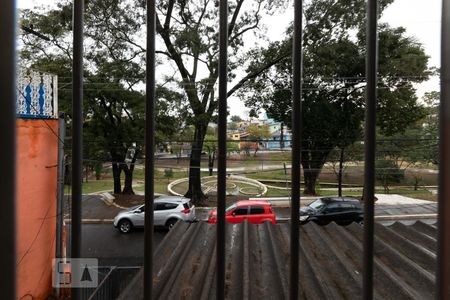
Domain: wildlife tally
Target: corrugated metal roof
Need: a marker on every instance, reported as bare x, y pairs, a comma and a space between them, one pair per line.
257, 262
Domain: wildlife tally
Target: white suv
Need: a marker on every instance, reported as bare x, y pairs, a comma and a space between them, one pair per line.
167, 211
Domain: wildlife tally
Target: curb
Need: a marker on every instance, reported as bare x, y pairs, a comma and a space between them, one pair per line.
406, 217
378, 218
92, 221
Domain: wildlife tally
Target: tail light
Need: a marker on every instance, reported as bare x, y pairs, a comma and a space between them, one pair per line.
186, 211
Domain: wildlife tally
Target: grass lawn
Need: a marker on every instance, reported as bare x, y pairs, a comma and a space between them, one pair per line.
92, 187
106, 184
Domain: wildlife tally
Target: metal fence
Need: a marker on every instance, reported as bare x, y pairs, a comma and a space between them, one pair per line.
37, 95
112, 281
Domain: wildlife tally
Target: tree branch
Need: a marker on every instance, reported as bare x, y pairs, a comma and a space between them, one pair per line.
169, 14
235, 16
257, 73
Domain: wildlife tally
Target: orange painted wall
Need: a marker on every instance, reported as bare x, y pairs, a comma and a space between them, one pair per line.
37, 153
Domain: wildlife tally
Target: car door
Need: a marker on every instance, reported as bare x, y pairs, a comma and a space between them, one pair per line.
256, 214
346, 212
139, 216
158, 214
331, 213
238, 215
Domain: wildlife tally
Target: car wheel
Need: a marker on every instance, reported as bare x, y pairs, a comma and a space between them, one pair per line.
125, 226
361, 222
170, 223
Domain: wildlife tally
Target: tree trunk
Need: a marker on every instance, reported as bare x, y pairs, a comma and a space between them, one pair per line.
310, 181
128, 170
256, 150
341, 166
128, 184
281, 137
195, 192
116, 176
211, 159
67, 174
312, 163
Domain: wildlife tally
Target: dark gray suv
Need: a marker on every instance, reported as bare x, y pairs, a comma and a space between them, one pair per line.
342, 210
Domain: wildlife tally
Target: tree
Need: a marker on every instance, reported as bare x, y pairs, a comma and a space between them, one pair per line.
236, 119
210, 146
189, 32
246, 147
388, 172
168, 173
232, 126
114, 60
256, 134
233, 147
430, 129
334, 82
338, 158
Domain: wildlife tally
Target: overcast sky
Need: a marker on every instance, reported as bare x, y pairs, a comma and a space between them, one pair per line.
420, 18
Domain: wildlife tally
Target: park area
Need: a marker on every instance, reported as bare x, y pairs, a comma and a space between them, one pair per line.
267, 175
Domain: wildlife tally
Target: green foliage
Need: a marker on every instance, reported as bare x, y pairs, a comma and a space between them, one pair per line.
430, 129
210, 144
98, 170
388, 172
246, 147
236, 119
256, 133
114, 103
168, 173
334, 80
232, 126
233, 147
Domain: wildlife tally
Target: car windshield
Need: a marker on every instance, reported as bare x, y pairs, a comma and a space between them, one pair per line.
318, 204
231, 207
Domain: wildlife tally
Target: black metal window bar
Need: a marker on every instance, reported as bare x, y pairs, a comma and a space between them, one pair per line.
8, 149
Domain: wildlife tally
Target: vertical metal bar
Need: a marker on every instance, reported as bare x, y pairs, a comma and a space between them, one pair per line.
369, 145
60, 197
77, 132
443, 265
149, 147
55, 96
8, 148
296, 147
222, 150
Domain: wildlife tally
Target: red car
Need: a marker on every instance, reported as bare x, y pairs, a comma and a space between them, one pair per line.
255, 212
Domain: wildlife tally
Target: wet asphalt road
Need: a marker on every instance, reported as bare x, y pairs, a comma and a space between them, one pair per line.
111, 248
